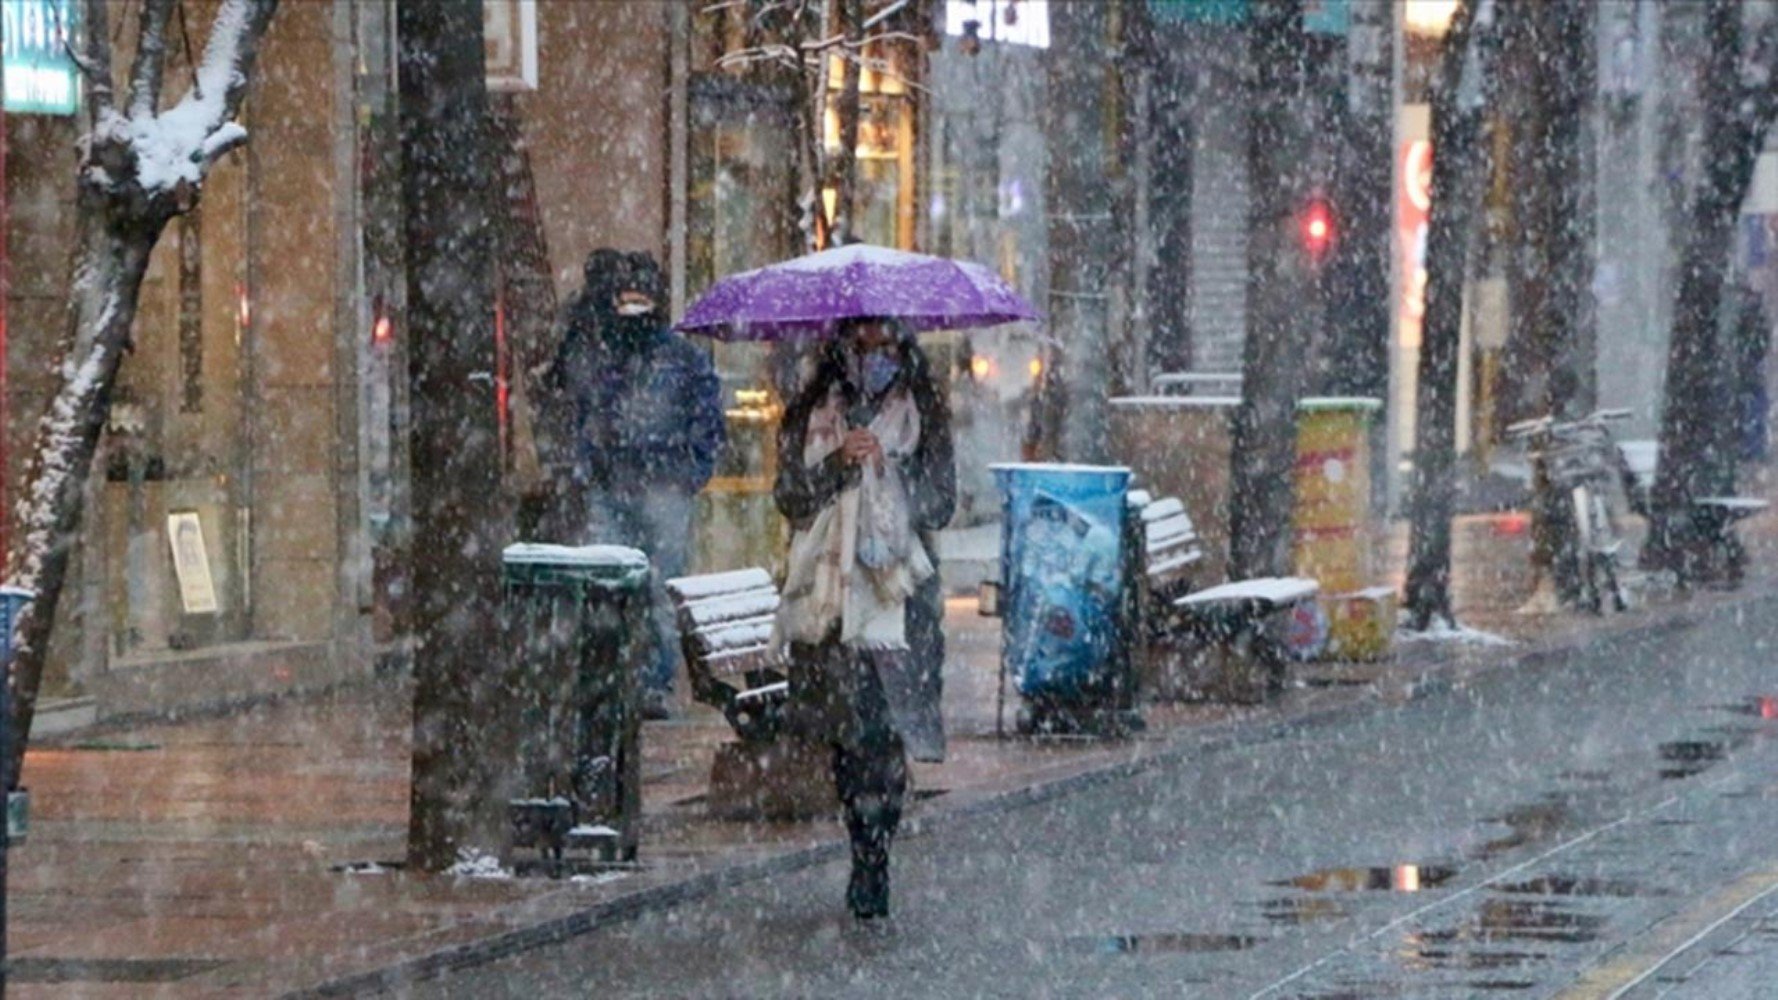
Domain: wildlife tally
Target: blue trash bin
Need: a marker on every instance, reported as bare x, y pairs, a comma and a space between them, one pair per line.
1062, 582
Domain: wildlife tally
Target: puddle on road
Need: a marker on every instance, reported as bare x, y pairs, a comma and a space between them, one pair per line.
1566, 885
1521, 920
1686, 758
1292, 911
1762, 706
1590, 777
110, 746
1445, 958
1165, 944
1396, 878
1528, 823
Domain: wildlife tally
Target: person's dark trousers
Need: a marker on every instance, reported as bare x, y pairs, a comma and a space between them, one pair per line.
839, 694
926, 660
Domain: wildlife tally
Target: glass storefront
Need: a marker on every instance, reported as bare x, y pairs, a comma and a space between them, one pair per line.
743, 213
174, 503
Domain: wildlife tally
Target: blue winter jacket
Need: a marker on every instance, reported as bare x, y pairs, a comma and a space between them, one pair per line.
645, 420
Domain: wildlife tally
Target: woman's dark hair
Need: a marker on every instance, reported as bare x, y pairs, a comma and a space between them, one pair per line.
830, 368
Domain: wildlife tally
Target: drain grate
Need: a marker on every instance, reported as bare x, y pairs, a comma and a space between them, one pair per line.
107, 970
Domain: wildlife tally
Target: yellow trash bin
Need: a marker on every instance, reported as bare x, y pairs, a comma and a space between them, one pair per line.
1335, 536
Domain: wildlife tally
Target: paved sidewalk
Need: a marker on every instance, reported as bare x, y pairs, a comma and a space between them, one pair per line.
201, 858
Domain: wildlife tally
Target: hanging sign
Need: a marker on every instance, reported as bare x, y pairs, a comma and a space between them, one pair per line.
1199, 11
40, 75
509, 35
191, 563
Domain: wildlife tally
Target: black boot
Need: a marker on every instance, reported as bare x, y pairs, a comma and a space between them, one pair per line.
867, 893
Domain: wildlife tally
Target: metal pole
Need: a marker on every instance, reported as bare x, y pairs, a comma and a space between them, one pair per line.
6, 617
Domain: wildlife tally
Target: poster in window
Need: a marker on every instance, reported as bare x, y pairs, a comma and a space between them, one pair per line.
509, 34
191, 563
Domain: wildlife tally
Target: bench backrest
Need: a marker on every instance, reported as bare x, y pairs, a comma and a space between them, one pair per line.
725, 620
1170, 543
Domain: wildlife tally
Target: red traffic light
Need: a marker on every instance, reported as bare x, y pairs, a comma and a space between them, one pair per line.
1318, 230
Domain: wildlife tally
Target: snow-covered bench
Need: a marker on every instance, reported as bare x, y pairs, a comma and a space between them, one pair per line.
725, 628
1233, 623
1714, 518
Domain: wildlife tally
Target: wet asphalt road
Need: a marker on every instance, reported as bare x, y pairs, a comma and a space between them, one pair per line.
1597, 827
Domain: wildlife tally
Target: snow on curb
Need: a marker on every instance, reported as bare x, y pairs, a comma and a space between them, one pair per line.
1444, 631
472, 863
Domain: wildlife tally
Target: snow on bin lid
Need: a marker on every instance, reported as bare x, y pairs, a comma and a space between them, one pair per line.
1339, 403
1054, 467
602, 556
1178, 402
17, 593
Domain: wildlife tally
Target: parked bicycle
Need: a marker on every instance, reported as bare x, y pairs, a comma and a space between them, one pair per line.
1581, 462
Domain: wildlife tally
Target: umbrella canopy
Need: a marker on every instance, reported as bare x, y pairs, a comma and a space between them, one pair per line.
810, 296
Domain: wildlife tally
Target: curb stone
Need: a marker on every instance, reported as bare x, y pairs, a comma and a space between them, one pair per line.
1443, 676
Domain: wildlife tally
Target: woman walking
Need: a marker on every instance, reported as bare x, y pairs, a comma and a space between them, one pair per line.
865, 466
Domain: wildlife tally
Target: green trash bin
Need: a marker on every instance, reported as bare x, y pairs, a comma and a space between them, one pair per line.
578, 624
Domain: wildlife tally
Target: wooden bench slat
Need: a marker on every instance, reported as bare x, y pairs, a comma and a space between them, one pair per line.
1273, 590
765, 693
693, 588
1164, 508
1170, 567
740, 661
1750, 505
715, 611
1160, 532
735, 635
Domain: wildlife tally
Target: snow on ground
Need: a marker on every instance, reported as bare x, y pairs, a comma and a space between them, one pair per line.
1444, 631
472, 863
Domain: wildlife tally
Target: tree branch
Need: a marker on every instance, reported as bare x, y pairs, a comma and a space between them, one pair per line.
96, 63
149, 65
1759, 86
175, 149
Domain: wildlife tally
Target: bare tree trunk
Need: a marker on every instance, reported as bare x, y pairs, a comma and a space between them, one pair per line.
1274, 354
1456, 133
1736, 119
1359, 300
128, 189
446, 172
1081, 110
846, 109
1568, 87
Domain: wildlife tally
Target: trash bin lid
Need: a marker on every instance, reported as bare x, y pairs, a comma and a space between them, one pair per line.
1366, 404
615, 566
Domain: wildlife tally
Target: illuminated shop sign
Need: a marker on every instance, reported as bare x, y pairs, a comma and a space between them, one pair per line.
1021, 22
41, 77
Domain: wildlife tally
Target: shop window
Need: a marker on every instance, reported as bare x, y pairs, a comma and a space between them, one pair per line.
743, 211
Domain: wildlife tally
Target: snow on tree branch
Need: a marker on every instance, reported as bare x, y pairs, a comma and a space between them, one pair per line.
166, 154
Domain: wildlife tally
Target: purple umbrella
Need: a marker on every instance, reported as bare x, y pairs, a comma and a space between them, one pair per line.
808, 297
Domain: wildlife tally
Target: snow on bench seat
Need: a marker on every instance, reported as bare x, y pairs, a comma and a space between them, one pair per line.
1160, 510
732, 607
1738, 505
693, 588
1273, 590
752, 633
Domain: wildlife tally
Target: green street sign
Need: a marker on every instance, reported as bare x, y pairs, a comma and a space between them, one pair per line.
1328, 17
1199, 11
40, 75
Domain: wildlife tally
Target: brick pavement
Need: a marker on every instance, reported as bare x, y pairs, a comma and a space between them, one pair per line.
200, 858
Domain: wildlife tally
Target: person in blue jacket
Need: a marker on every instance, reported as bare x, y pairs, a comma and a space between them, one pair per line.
644, 422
